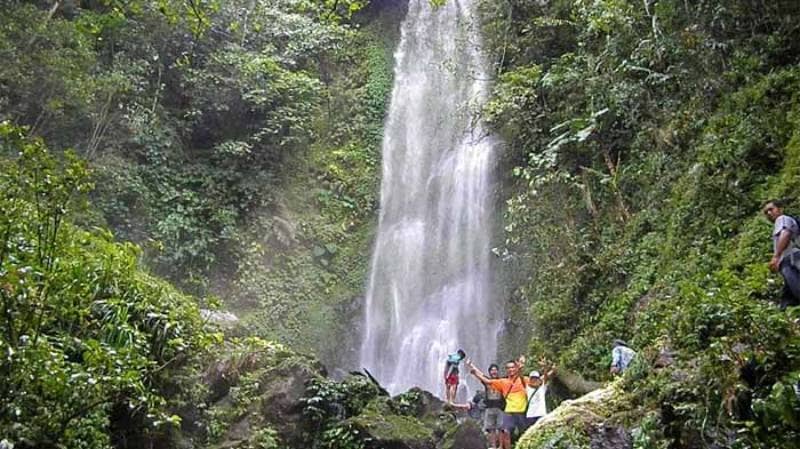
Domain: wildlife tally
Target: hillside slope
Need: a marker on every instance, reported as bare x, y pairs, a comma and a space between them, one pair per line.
643, 138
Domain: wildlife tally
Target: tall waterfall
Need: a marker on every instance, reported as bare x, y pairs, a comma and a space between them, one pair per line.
429, 290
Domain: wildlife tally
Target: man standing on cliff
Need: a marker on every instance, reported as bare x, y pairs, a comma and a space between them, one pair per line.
785, 254
493, 416
621, 357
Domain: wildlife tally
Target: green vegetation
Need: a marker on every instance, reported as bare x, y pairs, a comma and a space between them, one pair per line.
88, 339
236, 142
643, 137
232, 148
306, 272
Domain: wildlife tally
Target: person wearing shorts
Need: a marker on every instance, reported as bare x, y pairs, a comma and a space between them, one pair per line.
451, 374
513, 389
493, 415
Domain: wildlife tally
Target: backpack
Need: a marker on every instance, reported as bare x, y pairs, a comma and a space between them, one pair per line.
494, 403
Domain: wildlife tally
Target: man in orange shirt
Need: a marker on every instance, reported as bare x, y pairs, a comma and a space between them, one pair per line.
513, 389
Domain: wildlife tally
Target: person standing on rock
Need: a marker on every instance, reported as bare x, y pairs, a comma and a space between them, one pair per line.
621, 357
785, 254
537, 393
512, 388
451, 374
493, 415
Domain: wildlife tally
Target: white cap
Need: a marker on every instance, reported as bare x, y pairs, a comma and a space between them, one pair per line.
535, 374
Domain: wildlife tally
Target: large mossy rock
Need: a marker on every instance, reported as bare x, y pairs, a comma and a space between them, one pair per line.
386, 430
261, 395
255, 396
584, 423
281, 392
417, 402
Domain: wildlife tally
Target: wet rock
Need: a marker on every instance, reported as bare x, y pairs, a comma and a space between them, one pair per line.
467, 435
220, 317
418, 403
255, 392
282, 389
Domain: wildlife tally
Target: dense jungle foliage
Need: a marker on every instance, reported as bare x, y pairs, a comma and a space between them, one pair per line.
237, 142
232, 146
88, 339
643, 138
233, 149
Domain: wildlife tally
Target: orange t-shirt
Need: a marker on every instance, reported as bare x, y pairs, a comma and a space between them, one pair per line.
514, 391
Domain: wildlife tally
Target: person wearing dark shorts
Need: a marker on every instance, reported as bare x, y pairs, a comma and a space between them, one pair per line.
513, 389
786, 253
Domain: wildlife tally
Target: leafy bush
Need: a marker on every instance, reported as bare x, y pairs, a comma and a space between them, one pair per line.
84, 331
642, 138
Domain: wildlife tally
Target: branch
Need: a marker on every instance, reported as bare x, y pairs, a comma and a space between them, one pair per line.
576, 383
50, 14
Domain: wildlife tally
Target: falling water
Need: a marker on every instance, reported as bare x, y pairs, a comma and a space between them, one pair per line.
429, 289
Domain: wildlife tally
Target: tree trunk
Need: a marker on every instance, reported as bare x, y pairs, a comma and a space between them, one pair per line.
576, 383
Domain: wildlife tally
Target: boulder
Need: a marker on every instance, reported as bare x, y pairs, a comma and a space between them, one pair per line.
281, 390
255, 394
582, 423
385, 430
418, 403
467, 435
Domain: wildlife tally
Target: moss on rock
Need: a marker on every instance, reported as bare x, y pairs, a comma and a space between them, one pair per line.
386, 430
575, 424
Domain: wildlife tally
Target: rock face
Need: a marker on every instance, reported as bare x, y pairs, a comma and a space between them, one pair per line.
418, 403
280, 402
264, 396
255, 396
467, 435
582, 424
384, 429
417, 419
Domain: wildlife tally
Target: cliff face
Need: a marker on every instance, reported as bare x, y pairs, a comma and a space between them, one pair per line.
644, 138
304, 256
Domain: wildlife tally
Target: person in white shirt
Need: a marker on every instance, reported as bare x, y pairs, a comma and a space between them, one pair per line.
537, 392
621, 357
785, 253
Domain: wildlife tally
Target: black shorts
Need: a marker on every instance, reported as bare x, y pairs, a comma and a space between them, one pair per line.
513, 421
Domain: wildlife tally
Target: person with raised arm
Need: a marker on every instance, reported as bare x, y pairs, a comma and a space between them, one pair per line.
537, 392
513, 390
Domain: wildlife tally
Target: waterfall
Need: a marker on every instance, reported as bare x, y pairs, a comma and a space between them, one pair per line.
429, 290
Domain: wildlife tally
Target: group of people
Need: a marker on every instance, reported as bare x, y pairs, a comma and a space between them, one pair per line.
514, 402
